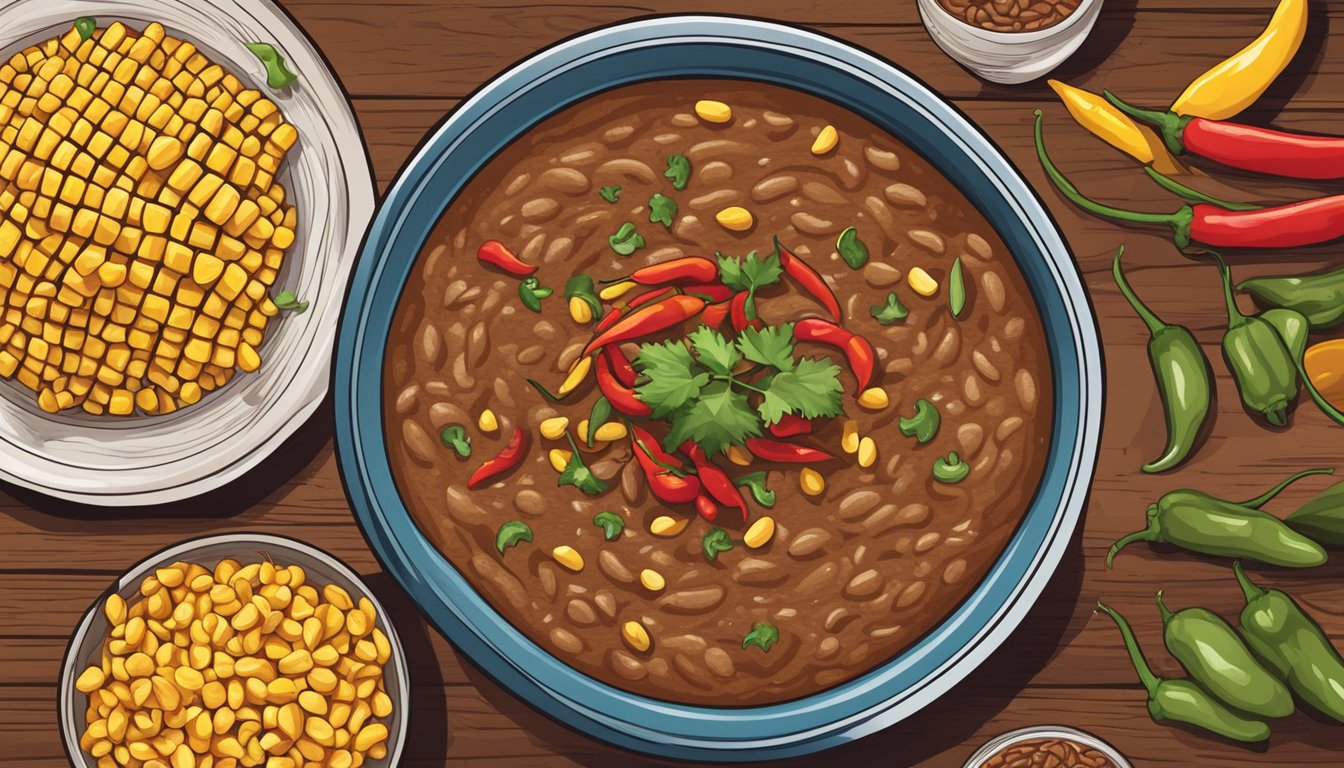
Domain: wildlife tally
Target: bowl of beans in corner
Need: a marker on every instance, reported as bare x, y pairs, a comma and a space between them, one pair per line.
1048, 746
1009, 41
239, 649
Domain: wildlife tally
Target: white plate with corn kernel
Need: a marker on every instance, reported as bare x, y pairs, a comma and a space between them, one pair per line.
183, 189
245, 646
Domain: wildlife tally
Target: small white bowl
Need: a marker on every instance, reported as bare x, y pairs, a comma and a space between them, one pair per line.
86, 644
1009, 57
1046, 732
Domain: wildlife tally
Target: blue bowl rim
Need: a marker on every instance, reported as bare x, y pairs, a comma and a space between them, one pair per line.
880, 697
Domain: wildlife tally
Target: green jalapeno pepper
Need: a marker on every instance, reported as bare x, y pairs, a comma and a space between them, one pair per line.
1184, 383
1319, 297
1197, 522
1183, 701
1216, 657
1259, 359
1322, 518
1293, 645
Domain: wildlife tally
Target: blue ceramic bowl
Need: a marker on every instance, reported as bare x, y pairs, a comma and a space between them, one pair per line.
706, 46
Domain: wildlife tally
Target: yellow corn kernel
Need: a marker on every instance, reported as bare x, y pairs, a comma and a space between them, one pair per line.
867, 452
735, 218
760, 533
922, 282
849, 437
825, 141
636, 636
874, 399
554, 427
487, 422
713, 111
580, 311
667, 526
610, 432
568, 557
652, 580
90, 680
163, 152
559, 458
739, 455
577, 373
811, 481
248, 359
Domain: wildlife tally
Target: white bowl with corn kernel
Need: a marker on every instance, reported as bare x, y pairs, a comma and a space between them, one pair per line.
328, 689
166, 206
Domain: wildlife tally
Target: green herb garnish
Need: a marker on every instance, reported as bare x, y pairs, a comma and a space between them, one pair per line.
611, 524
714, 542
455, 436
546, 393
890, 312
86, 26
531, 293
715, 352
577, 474
951, 469
277, 73
662, 209
511, 534
851, 248
597, 417
956, 289
762, 635
672, 379
627, 240
287, 301
582, 287
924, 424
679, 171
610, 194
749, 274
756, 483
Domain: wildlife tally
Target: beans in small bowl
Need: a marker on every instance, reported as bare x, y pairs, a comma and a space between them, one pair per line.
1047, 747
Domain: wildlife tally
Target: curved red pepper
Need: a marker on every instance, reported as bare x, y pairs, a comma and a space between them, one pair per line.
858, 352
664, 485
737, 309
710, 292
510, 457
689, 269
621, 397
715, 314
789, 453
497, 254
714, 480
653, 318
608, 319
861, 359
651, 446
809, 279
706, 507
791, 425
620, 366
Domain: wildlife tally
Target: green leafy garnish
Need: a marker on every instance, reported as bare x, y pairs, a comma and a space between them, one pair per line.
577, 474
890, 312
455, 436
611, 524
597, 417
719, 417
662, 209
582, 287
277, 73
772, 345
762, 635
672, 380
714, 542
531, 293
756, 483
511, 534
610, 194
956, 289
715, 352
86, 26
950, 470
627, 240
924, 424
287, 301
749, 274
811, 389
679, 171
851, 248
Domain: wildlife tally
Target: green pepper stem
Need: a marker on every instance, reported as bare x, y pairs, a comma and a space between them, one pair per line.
1067, 188
1260, 500
1150, 681
1153, 322
1248, 588
1162, 608
1235, 318
1194, 195
1147, 534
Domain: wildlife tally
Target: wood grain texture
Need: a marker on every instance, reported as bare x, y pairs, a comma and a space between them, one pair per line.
408, 63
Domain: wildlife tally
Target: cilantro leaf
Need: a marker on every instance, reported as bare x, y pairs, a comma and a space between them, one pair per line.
673, 380
751, 272
811, 390
714, 542
890, 312
610, 194
678, 171
720, 417
662, 209
772, 346
714, 351
762, 635
577, 474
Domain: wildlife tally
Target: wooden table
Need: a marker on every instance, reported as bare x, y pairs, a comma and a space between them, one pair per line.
407, 63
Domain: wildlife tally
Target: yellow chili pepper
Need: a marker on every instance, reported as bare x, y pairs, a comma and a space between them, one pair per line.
1236, 83
1114, 127
1324, 363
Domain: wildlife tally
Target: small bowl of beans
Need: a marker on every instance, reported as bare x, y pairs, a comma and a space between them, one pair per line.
1009, 41
1047, 746
235, 650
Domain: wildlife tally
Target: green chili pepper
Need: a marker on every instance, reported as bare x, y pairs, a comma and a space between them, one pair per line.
1198, 522
277, 73
455, 436
1322, 518
1319, 297
86, 26
1293, 645
762, 635
1184, 382
756, 483
1217, 658
924, 424
1181, 700
1258, 359
627, 240
956, 289
531, 293
851, 248
951, 469
597, 417
611, 524
512, 533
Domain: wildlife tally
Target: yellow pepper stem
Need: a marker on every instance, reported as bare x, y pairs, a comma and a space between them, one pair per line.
1237, 82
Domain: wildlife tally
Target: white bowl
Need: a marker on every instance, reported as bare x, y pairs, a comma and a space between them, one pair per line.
1045, 732
1009, 57
85, 646
112, 461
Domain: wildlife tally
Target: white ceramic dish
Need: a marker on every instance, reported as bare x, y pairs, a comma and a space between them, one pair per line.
85, 645
1009, 57
117, 462
1045, 732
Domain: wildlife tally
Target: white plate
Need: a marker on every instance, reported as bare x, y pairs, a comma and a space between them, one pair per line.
118, 462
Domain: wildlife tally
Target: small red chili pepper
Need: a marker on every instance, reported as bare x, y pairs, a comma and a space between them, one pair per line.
497, 254
690, 269
810, 280
710, 292
653, 318
621, 397
791, 453
664, 485
714, 480
737, 309
858, 352
861, 359
706, 507
510, 457
650, 445
791, 425
715, 314
620, 366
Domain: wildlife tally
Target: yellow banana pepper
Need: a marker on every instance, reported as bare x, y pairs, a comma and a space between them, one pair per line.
1097, 115
1236, 83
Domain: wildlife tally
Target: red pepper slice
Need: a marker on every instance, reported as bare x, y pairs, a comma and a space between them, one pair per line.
737, 309
858, 352
714, 480
791, 425
656, 317
690, 269
651, 446
715, 314
664, 485
620, 366
710, 292
621, 397
510, 457
789, 453
706, 507
861, 359
497, 254
809, 279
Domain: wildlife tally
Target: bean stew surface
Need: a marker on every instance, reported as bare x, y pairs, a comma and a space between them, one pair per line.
716, 391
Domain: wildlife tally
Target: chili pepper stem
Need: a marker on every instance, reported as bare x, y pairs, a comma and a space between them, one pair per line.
1147, 534
1167, 123
1146, 676
1235, 318
1248, 588
1194, 195
1263, 498
1153, 322
1162, 608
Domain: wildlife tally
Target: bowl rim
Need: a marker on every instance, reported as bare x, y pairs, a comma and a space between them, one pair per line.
447, 156
68, 713
989, 748
1000, 37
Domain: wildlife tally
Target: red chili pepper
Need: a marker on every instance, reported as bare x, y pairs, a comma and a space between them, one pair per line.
510, 457
620, 366
809, 279
706, 507
656, 317
650, 445
715, 314
714, 480
621, 397
737, 309
690, 269
710, 292
791, 425
861, 359
792, 453
497, 254
858, 352
664, 485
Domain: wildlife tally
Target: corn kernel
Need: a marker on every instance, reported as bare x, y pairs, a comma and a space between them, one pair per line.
713, 111
826, 141
554, 427
874, 399
849, 436
735, 218
559, 458
667, 526
487, 422
867, 453
922, 282
568, 557
811, 481
760, 533
636, 636
652, 580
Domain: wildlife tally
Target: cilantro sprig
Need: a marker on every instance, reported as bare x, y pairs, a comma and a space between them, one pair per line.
750, 274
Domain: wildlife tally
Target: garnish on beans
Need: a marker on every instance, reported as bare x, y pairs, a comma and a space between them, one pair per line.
611, 524
924, 424
950, 469
956, 289
455, 436
511, 534
496, 254
581, 294
577, 474
762, 635
715, 542
851, 248
510, 457
531, 292
678, 171
626, 240
611, 194
661, 209
890, 312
